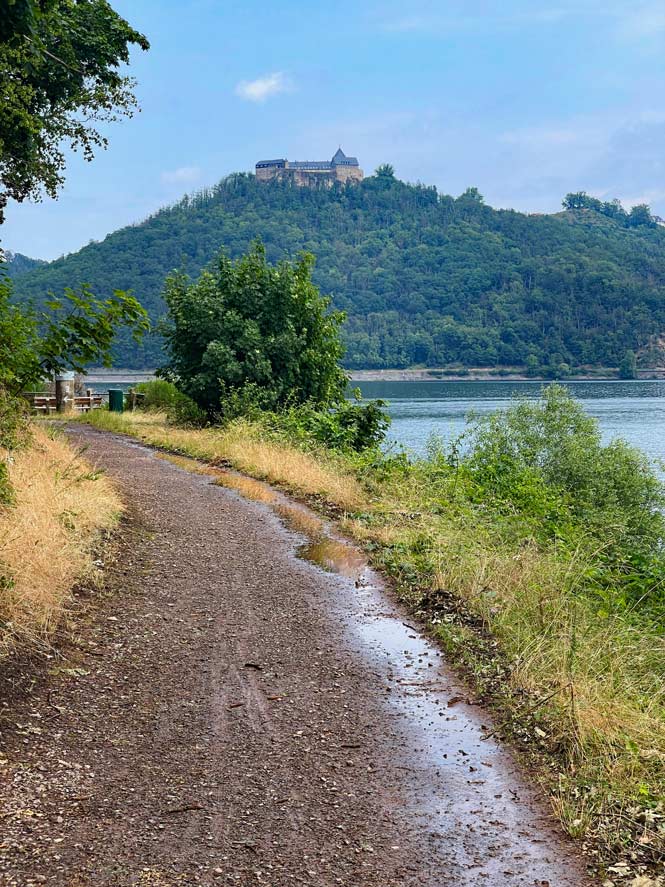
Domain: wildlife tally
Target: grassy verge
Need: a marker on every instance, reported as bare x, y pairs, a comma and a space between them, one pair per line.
320, 474
578, 677
47, 537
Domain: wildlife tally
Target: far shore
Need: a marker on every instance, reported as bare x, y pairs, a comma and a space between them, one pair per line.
494, 374
472, 374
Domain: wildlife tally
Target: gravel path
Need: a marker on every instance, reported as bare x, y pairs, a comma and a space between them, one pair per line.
231, 714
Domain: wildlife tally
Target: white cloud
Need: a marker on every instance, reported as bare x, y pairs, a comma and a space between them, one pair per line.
263, 87
184, 175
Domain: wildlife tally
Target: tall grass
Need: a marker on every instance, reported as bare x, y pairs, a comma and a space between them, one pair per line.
47, 537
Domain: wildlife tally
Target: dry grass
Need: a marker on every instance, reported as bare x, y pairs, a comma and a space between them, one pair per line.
47, 537
592, 680
608, 672
242, 446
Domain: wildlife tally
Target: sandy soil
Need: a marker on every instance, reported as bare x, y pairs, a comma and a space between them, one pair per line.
229, 713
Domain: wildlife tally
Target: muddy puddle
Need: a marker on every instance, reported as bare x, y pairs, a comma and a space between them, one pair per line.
463, 789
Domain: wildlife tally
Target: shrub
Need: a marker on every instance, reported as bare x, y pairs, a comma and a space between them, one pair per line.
545, 463
13, 434
346, 426
186, 412
158, 394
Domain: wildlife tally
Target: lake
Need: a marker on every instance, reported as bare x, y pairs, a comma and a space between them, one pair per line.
634, 411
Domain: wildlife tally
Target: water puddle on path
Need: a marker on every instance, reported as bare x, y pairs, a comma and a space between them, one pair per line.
463, 790
334, 557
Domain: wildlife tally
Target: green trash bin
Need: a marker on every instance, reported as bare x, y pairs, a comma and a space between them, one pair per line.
116, 400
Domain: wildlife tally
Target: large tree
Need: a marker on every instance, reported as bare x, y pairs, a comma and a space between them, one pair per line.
60, 75
248, 328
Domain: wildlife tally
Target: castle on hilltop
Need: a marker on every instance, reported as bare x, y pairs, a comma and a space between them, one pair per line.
310, 173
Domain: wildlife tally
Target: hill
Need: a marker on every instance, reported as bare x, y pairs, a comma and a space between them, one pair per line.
17, 264
426, 279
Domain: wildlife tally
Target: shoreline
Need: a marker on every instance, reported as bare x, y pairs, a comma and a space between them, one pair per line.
499, 374
496, 375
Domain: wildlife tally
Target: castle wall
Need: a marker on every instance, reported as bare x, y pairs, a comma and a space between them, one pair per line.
264, 173
348, 174
310, 178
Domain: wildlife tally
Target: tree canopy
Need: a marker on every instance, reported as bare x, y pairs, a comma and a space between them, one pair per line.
60, 75
248, 329
639, 215
424, 278
77, 329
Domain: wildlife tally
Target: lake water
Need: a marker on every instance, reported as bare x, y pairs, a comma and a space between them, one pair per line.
634, 411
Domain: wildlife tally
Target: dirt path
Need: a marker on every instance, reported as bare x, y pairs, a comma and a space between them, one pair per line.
232, 714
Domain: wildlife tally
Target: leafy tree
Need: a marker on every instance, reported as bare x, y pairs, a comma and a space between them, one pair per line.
628, 366
19, 18
641, 215
247, 332
59, 75
385, 171
472, 194
614, 210
532, 365
76, 331
581, 200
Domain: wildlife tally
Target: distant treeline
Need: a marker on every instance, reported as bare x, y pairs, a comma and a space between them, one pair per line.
425, 278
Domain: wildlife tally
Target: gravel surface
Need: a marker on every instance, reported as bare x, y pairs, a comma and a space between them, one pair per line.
228, 713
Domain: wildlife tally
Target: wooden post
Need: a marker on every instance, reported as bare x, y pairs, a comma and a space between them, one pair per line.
64, 393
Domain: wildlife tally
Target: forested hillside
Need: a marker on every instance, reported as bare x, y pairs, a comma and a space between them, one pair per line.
17, 264
424, 278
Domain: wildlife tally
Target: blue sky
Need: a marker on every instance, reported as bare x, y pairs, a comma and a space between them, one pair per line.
525, 99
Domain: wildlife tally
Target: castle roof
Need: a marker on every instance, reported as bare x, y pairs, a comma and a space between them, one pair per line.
339, 157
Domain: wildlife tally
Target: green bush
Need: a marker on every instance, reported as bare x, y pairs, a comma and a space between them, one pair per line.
158, 394
13, 433
186, 412
164, 397
346, 426
251, 328
544, 466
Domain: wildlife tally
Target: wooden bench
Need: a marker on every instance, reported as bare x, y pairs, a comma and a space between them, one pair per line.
46, 403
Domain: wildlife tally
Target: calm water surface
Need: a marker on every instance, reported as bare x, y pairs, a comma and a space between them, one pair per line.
634, 411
